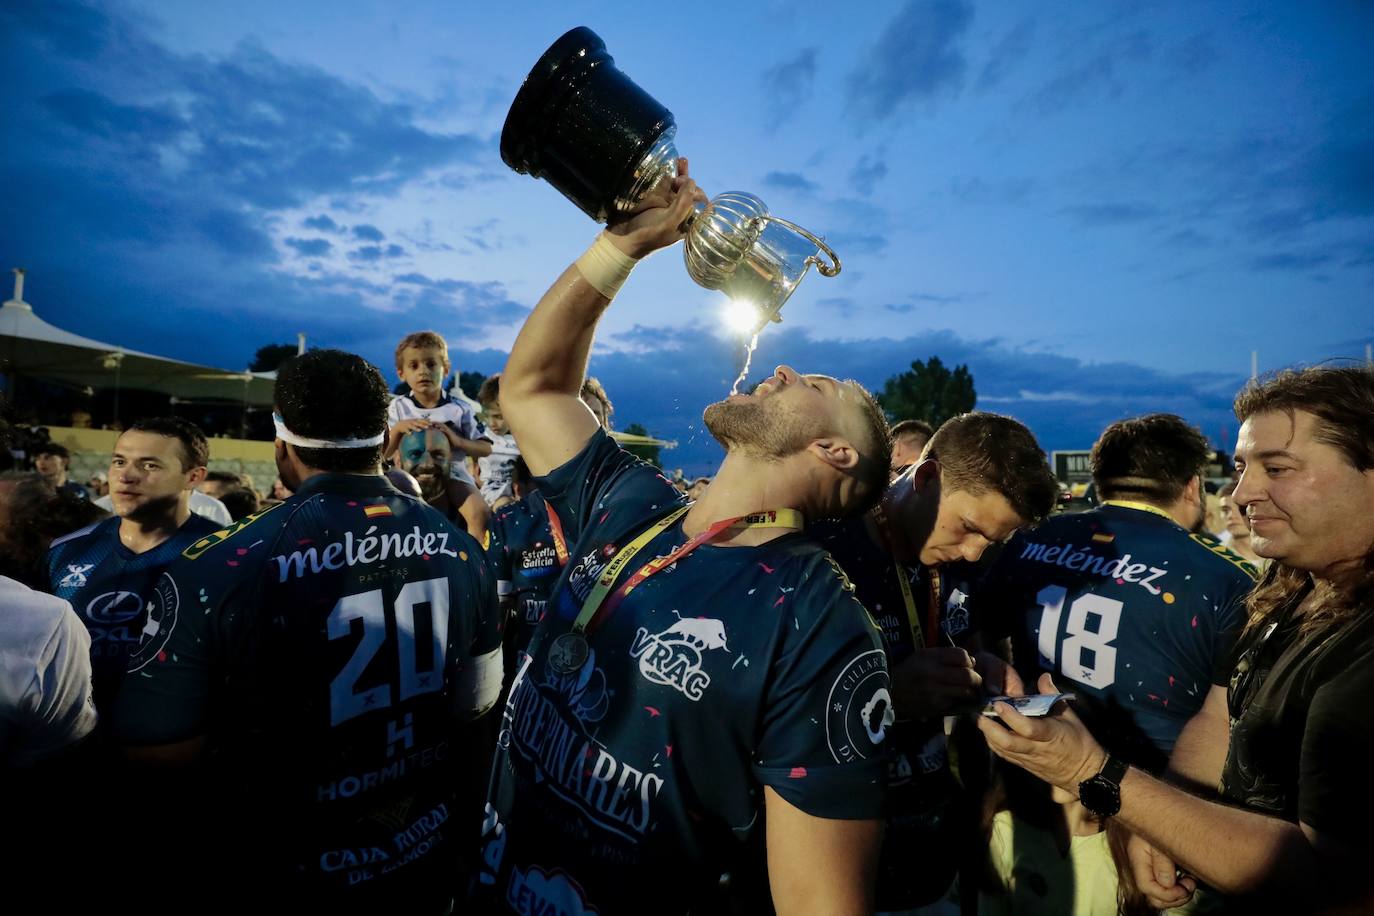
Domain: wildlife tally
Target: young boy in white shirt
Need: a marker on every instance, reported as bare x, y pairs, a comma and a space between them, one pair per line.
422, 363
496, 468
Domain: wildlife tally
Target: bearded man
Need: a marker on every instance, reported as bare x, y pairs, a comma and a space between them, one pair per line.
427, 456
703, 669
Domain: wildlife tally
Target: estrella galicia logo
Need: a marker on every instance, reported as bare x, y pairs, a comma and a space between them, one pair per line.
114, 607
162, 619
859, 708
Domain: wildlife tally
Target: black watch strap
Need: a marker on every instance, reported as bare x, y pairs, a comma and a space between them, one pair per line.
1114, 770
1101, 794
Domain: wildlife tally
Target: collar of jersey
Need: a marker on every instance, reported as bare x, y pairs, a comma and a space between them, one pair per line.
443, 399
1140, 507
348, 485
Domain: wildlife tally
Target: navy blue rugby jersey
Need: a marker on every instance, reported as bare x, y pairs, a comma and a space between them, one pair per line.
922, 794
109, 587
524, 561
328, 647
633, 782
1130, 611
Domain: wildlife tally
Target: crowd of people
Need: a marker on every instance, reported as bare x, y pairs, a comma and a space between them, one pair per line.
496, 663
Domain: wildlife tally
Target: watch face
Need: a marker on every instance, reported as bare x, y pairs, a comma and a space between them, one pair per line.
1100, 796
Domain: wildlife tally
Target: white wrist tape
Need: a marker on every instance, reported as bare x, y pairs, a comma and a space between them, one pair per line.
605, 266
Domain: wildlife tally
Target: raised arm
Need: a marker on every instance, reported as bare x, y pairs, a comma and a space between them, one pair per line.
543, 377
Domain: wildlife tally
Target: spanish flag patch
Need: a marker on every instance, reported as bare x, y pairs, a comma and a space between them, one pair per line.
377, 511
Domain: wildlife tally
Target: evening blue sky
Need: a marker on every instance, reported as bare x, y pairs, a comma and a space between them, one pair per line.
1102, 208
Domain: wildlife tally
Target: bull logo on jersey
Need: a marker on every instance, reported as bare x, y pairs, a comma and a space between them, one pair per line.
956, 614
673, 658
76, 575
114, 607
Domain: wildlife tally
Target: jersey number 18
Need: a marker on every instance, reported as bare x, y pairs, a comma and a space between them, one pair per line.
1102, 670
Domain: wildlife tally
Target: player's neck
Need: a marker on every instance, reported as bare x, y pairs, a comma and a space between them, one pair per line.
426, 400
140, 533
741, 486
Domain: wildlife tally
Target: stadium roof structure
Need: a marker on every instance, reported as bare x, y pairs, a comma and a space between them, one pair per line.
31, 346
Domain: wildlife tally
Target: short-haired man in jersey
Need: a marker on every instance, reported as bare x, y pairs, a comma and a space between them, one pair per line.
909, 438
700, 674
528, 549
1275, 812
330, 651
983, 476
107, 570
1123, 603
1132, 611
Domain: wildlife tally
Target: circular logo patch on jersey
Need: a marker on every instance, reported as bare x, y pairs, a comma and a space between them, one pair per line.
163, 607
858, 711
114, 607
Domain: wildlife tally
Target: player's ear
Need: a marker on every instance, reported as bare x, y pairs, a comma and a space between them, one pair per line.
836, 452
925, 472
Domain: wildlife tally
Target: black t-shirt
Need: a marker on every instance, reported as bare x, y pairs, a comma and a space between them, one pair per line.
327, 646
920, 844
1301, 726
1130, 612
631, 784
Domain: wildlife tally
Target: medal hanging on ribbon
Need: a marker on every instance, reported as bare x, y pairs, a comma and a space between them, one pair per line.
571, 650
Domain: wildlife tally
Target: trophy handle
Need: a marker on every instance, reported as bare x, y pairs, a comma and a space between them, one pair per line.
826, 270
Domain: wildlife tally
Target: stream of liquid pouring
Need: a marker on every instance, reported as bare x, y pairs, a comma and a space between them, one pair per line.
748, 358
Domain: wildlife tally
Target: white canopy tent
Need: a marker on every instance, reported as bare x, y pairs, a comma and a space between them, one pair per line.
31, 346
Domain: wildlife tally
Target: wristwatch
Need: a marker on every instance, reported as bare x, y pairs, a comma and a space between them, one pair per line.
1102, 793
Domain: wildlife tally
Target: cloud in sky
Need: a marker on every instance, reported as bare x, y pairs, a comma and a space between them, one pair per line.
1009, 51
867, 173
172, 167
788, 84
1099, 74
917, 57
310, 248
790, 181
1111, 214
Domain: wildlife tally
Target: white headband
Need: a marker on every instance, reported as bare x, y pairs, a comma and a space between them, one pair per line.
287, 435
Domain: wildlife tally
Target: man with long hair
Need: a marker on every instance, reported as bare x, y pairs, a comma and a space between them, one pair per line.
1290, 830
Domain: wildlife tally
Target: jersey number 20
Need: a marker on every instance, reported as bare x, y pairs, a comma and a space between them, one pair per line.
1102, 671
345, 700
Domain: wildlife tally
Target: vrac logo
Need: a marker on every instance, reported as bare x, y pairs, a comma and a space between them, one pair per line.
114, 607
673, 658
